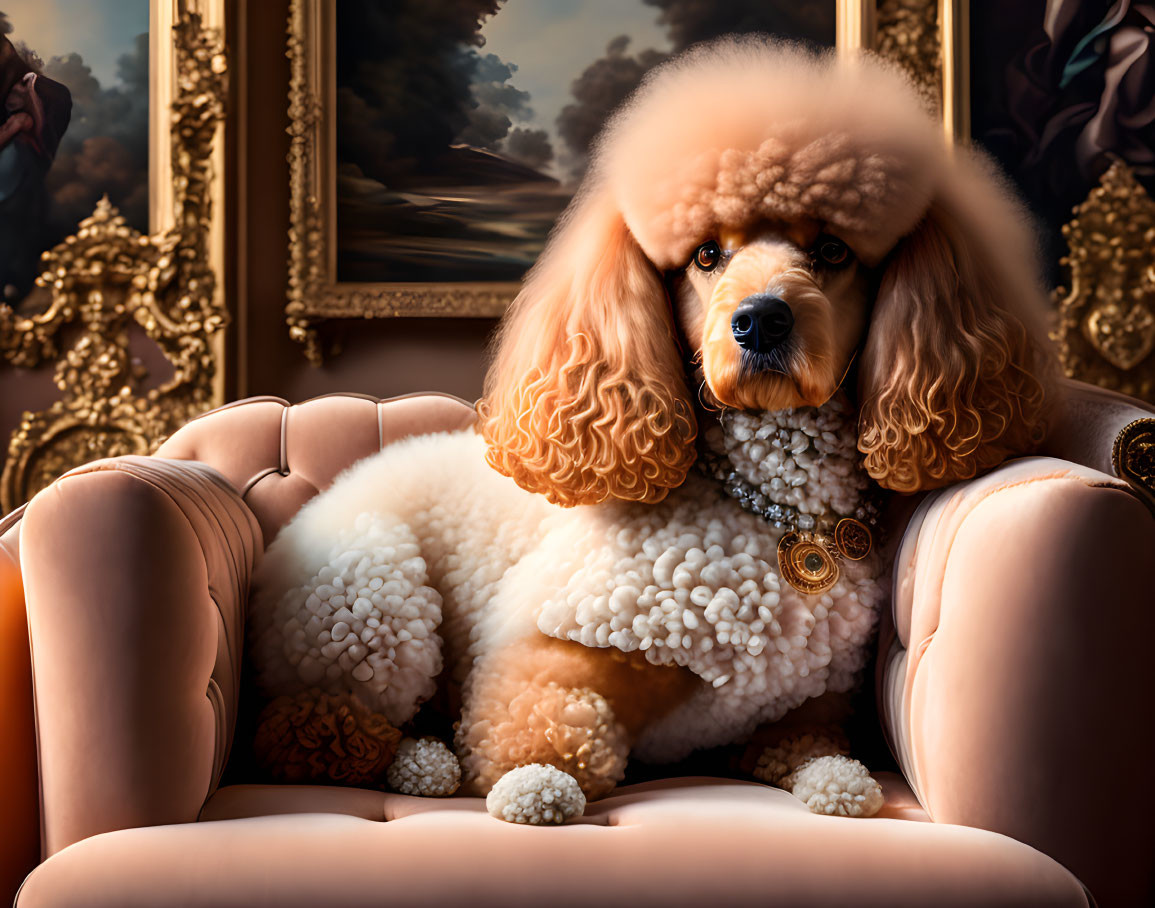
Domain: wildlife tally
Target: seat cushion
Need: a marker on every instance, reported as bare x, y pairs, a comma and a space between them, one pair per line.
677, 842
241, 801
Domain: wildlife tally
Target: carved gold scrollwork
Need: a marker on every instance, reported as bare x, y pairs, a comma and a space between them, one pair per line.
107, 275
1106, 320
930, 39
306, 230
908, 33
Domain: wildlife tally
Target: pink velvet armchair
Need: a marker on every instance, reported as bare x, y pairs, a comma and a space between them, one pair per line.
1014, 684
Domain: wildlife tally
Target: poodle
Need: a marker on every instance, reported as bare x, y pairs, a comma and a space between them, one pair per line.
777, 295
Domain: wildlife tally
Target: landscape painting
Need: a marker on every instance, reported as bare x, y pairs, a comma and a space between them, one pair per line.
464, 126
73, 126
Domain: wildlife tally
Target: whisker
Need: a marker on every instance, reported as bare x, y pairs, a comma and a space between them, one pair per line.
846, 371
706, 405
776, 362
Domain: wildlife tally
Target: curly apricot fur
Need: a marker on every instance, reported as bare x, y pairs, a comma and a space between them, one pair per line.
953, 381
586, 398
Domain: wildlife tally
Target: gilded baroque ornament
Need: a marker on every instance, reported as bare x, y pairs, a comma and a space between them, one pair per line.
907, 32
108, 275
1106, 318
305, 223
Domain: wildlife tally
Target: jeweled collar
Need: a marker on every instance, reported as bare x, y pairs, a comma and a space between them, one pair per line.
799, 470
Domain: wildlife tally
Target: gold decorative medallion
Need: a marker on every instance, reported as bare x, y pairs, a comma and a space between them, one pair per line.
807, 563
853, 539
1133, 455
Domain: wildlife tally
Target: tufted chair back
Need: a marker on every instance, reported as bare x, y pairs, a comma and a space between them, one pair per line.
278, 456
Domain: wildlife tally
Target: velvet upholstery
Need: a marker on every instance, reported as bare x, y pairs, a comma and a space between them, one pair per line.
279, 456
19, 785
688, 842
1017, 674
135, 571
1010, 681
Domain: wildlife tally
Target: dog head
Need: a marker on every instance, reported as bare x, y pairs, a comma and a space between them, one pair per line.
775, 313
775, 212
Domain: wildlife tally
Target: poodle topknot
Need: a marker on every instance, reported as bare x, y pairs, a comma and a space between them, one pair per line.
737, 131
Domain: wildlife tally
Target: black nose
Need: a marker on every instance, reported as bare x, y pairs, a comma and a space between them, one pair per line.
761, 322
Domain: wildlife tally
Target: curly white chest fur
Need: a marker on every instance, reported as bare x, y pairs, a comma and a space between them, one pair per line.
422, 552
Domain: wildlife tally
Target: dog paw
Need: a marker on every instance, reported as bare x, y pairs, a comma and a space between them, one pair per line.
835, 786
424, 767
536, 794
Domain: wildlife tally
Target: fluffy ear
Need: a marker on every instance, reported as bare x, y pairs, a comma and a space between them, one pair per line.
585, 399
954, 368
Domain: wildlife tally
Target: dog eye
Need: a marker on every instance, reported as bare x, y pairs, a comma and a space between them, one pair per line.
708, 256
833, 251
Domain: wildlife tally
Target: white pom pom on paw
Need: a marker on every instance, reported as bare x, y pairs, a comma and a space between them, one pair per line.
425, 767
536, 794
836, 786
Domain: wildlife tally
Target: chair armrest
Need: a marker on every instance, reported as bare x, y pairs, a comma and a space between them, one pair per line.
1017, 689
135, 571
19, 785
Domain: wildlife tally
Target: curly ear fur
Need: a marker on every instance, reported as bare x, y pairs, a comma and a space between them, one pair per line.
954, 372
586, 399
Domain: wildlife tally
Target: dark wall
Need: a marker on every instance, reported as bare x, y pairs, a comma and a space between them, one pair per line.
376, 356
21, 391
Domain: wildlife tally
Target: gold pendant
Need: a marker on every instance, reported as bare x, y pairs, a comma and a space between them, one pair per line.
853, 539
807, 563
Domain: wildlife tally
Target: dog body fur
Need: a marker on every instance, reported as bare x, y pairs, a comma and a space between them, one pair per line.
686, 593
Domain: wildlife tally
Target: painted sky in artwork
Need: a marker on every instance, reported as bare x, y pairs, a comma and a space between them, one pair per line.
552, 41
99, 30
97, 49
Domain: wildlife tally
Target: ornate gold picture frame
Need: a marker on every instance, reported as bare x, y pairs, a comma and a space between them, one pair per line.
314, 293
928, 38
107, 276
